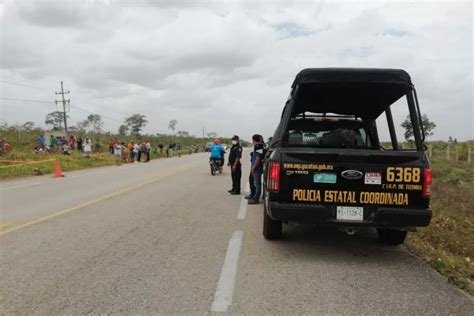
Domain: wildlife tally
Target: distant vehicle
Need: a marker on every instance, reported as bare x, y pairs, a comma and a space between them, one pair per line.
325, 163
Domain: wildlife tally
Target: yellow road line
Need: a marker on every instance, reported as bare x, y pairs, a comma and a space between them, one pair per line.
5, 224
27, 163
91, 202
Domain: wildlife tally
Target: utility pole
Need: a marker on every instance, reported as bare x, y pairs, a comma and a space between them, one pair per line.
203, 140
63, 101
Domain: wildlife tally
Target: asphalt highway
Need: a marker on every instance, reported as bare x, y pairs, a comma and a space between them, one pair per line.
166, 238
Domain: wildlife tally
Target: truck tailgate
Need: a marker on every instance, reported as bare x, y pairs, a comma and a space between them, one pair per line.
355, 178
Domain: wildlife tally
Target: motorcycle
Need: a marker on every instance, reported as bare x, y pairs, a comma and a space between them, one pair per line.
215, 166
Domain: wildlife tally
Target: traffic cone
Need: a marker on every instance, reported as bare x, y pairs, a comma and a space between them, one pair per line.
57, 171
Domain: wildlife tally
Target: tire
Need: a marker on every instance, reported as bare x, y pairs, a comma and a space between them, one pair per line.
391, 237
213, 172
272, 229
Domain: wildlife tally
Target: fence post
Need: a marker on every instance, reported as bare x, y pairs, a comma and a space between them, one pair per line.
447, 152
469, 155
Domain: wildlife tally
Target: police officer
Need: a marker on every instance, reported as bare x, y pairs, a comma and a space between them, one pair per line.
257, 168
236, 167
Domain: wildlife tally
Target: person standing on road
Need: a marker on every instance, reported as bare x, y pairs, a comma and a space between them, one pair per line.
112, 144
72, 142
87, 147
251, 182
98, 145
236, 167
41, 141
148, 151
118, 153
178, 149
79, 144
160, 149
130, 147
138, 148
170, 150
136, 151
53, 142
257, 167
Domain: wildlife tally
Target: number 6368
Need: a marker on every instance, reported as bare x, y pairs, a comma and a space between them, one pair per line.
403, 174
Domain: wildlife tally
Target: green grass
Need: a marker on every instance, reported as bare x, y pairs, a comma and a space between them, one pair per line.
448, 243
75, 161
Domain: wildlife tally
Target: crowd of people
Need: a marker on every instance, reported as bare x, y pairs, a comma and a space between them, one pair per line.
136, 152
131, 152
64, 145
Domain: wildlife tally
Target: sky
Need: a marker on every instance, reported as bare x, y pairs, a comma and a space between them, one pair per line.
226, 66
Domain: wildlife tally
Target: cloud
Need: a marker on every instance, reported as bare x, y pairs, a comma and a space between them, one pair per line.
290, 29
395, 32
227, 65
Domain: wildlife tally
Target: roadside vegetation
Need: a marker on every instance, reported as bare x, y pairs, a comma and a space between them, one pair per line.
448, 243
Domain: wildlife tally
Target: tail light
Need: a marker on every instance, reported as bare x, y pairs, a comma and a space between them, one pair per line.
273, 183
427, 182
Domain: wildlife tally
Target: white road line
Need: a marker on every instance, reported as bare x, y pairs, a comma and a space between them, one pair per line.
243, 209
225, 286
20, 186
86, 174
243, 204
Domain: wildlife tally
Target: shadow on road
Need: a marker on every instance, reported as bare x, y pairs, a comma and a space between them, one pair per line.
311, 242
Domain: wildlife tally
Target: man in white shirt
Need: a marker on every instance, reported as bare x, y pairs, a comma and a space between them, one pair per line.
136, 151
148, 151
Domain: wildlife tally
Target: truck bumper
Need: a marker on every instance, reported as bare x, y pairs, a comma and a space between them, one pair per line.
326, 214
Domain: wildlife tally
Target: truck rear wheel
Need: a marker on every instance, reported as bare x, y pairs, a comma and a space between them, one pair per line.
391, 237
272, 229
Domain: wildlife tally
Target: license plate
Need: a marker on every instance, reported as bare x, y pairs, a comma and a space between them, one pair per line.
324, 178
350, 213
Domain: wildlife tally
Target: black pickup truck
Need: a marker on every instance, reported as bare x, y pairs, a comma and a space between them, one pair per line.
326, 165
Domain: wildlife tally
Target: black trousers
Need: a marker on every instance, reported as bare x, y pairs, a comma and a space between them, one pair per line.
236, 177
252, 185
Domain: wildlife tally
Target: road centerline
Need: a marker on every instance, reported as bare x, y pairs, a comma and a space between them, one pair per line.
86, 174
94, 201
225, 286
19, 186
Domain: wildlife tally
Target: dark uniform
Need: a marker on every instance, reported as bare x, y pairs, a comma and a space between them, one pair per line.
251, 183
258, 152
235, 152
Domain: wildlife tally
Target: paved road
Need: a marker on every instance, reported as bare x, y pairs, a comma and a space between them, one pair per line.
165, 237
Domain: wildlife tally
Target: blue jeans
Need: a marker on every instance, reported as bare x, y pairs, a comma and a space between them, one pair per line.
257, 181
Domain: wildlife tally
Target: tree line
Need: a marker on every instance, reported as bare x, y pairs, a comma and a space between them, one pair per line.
132, 125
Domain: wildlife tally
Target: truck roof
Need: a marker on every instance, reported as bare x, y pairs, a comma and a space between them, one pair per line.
321, 75
362, 92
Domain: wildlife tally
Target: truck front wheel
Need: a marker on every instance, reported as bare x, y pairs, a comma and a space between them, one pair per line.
391, 237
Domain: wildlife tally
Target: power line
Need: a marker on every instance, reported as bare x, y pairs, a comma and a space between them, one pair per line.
26, 100
73, 106
28, 81
22, 84
88, 111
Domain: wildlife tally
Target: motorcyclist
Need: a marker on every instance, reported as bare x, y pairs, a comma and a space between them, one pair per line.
217, 153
